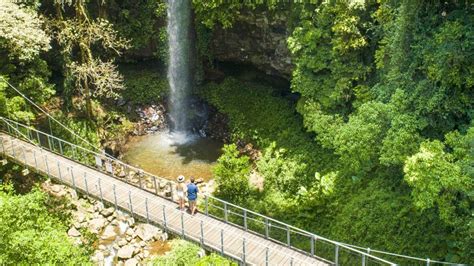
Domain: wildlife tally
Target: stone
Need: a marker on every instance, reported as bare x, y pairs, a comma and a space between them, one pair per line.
115, 246
129, 232
122, 242
128, 238
125, 252
110, 218
79, 217
164, 236
146, 253
142, 244
95, 225
73, 232
109, 232
146, 232
120, 263
98, 256
131, 221
98, 206
201, 253
107, 211
56, 188
131, 262
102, 247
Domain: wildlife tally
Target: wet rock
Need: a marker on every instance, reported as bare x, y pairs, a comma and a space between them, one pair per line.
125, 252
73, 232
146, 232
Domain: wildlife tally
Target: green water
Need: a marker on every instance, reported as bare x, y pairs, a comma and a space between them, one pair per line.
169, 155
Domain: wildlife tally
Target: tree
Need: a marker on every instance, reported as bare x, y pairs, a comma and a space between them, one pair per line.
93, 76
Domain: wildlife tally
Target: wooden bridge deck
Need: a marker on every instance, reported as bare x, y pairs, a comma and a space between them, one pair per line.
199, 228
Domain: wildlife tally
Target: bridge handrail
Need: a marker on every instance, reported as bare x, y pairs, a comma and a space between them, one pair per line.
228, 233
287, 226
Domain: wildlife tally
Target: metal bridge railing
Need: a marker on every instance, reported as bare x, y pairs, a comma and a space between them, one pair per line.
253, 222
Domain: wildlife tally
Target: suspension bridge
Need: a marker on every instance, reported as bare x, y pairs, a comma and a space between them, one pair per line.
233, 231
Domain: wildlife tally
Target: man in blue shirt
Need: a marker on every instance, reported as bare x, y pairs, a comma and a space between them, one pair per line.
192, 195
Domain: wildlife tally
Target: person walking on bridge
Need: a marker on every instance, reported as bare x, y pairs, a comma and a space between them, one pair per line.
192, 195
180, 188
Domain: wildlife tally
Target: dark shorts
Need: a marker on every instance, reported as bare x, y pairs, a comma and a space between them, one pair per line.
192, 201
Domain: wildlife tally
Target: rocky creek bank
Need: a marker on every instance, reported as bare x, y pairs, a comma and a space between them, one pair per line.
117, 238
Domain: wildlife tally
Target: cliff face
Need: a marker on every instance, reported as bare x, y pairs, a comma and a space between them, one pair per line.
257, 38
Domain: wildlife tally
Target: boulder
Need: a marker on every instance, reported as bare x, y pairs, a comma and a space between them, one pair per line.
131, 262
122, 242
107, 211
109, 232
125, 252
146, 232
73, 232
95, 225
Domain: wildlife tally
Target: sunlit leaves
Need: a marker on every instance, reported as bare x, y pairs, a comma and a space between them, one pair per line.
21, 31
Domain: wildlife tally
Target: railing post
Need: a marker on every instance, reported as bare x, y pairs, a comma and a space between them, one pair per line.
73, 179
266, 227
140, 179
245, 219
59, 170
3, 147
428, 262
49, 142
222, 242
243, 251
60, 147
38, 138
336, 255
36, 160
13, 148
225, 211
266, 256
202, 233
182, 224
156, 187
164, 217
115, 198
24, 155
312, 245
206, 204
363, 260
100, 190
85, 182
47, 165
288, 236
130, 201
291, 261
146, 208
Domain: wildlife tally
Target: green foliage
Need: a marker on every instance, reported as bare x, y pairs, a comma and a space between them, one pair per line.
28, 232
232, 174
438, 179
20, 31
144, 85
185, 253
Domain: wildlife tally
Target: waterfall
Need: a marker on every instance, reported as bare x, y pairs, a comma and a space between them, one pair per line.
179, 72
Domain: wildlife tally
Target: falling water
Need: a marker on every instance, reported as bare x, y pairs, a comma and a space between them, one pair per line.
179, 74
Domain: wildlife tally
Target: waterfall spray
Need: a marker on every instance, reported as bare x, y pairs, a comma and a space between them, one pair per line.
179, 73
